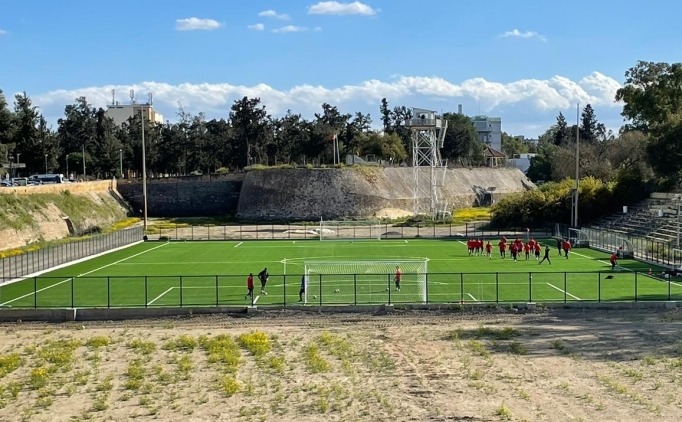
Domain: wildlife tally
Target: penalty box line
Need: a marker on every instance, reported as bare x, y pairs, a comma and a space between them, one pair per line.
81, 275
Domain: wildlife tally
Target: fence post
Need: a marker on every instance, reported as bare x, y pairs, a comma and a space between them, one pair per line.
388, 280
355, 289
146, 292
636, 285
497, 288
426, 287
216, 287
320, 289
530, 287
669, 290
461, 287
72, 299
108, 292
35, 292
181, 290
565, 288
284, 289
599, 287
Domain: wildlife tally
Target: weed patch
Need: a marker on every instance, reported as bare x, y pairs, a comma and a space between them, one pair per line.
222, 349
183, 343
10, 363
256, 343
314, 360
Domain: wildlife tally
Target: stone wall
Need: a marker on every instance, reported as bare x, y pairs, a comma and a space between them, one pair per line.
365, 192
200, 196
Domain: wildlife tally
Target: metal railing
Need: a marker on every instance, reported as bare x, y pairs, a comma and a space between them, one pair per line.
644, 249
46, 258
346, 231
335, 289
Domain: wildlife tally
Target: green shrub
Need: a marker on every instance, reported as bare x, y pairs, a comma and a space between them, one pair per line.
551, 202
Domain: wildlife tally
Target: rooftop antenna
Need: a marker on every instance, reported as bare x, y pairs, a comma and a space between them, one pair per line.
132, 96
113, 97
150, 101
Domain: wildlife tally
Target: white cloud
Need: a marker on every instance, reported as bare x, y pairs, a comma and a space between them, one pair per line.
290, 28
2, 32
515, 33
336, 8
257, 27
524, 105
196, 24
317, 28
274, 14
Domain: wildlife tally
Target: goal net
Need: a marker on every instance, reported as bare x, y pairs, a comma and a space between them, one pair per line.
579, 238
345, 230
626, 250
345, 282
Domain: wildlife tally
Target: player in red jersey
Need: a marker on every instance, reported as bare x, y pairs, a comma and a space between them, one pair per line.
489, 250
503, 248
567, 247
614, 261
470, 246
526, 249
537, 251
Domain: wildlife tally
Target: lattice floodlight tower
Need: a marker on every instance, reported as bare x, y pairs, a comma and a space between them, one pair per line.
427, 133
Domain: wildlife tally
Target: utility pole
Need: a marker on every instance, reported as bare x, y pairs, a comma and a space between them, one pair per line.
67, 167
577, 164
144, 174
45, 163
120, 157
84, 162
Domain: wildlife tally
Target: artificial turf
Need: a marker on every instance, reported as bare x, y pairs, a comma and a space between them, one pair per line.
213, 273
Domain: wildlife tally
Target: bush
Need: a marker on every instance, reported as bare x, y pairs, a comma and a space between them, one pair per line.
551, 202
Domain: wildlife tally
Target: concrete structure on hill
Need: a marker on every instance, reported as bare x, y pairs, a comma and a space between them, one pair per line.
489, 130
120, 113
522, 161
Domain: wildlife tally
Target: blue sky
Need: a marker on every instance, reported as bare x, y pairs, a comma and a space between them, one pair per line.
522, 61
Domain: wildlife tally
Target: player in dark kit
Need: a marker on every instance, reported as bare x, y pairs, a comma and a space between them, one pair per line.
302, 291
263, 276
546, 258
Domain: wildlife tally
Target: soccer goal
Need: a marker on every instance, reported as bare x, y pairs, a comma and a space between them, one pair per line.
345, 230
626, 250
578, 238
371, 281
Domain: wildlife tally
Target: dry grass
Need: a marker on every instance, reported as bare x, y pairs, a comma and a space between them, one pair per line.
409, 368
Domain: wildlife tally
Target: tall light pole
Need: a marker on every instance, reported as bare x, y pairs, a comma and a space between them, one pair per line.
120, 160
84, 162
11, 162
45, 163
577, 164
144, 174
67, 167
679, 199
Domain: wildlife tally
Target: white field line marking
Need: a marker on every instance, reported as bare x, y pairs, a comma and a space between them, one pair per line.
563, 291
256, 299
472, 298
160, 296
81, 275
238, 244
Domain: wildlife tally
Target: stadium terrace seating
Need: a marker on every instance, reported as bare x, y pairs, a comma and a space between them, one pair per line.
654, 219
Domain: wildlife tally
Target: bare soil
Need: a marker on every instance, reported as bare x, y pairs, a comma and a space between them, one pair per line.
412, 366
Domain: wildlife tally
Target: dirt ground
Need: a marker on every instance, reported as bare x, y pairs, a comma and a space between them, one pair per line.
285, 366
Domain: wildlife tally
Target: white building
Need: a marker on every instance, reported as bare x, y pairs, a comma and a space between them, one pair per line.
120, 113
489, 130
522, 161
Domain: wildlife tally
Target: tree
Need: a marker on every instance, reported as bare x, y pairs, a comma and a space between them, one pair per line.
560, 133
590, 129
541, 166
386, 116
461, 142
652, 94
106, 146
249, 121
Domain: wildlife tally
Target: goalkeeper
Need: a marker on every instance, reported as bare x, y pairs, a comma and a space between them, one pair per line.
263, 276
302, 291
398, 276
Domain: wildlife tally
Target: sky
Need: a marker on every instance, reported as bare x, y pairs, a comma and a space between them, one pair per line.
521, 61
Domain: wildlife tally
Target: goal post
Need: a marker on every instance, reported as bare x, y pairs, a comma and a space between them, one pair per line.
350, 230
371, 281
677, 259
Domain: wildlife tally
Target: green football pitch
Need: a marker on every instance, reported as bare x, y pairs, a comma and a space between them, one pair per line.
213, 273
